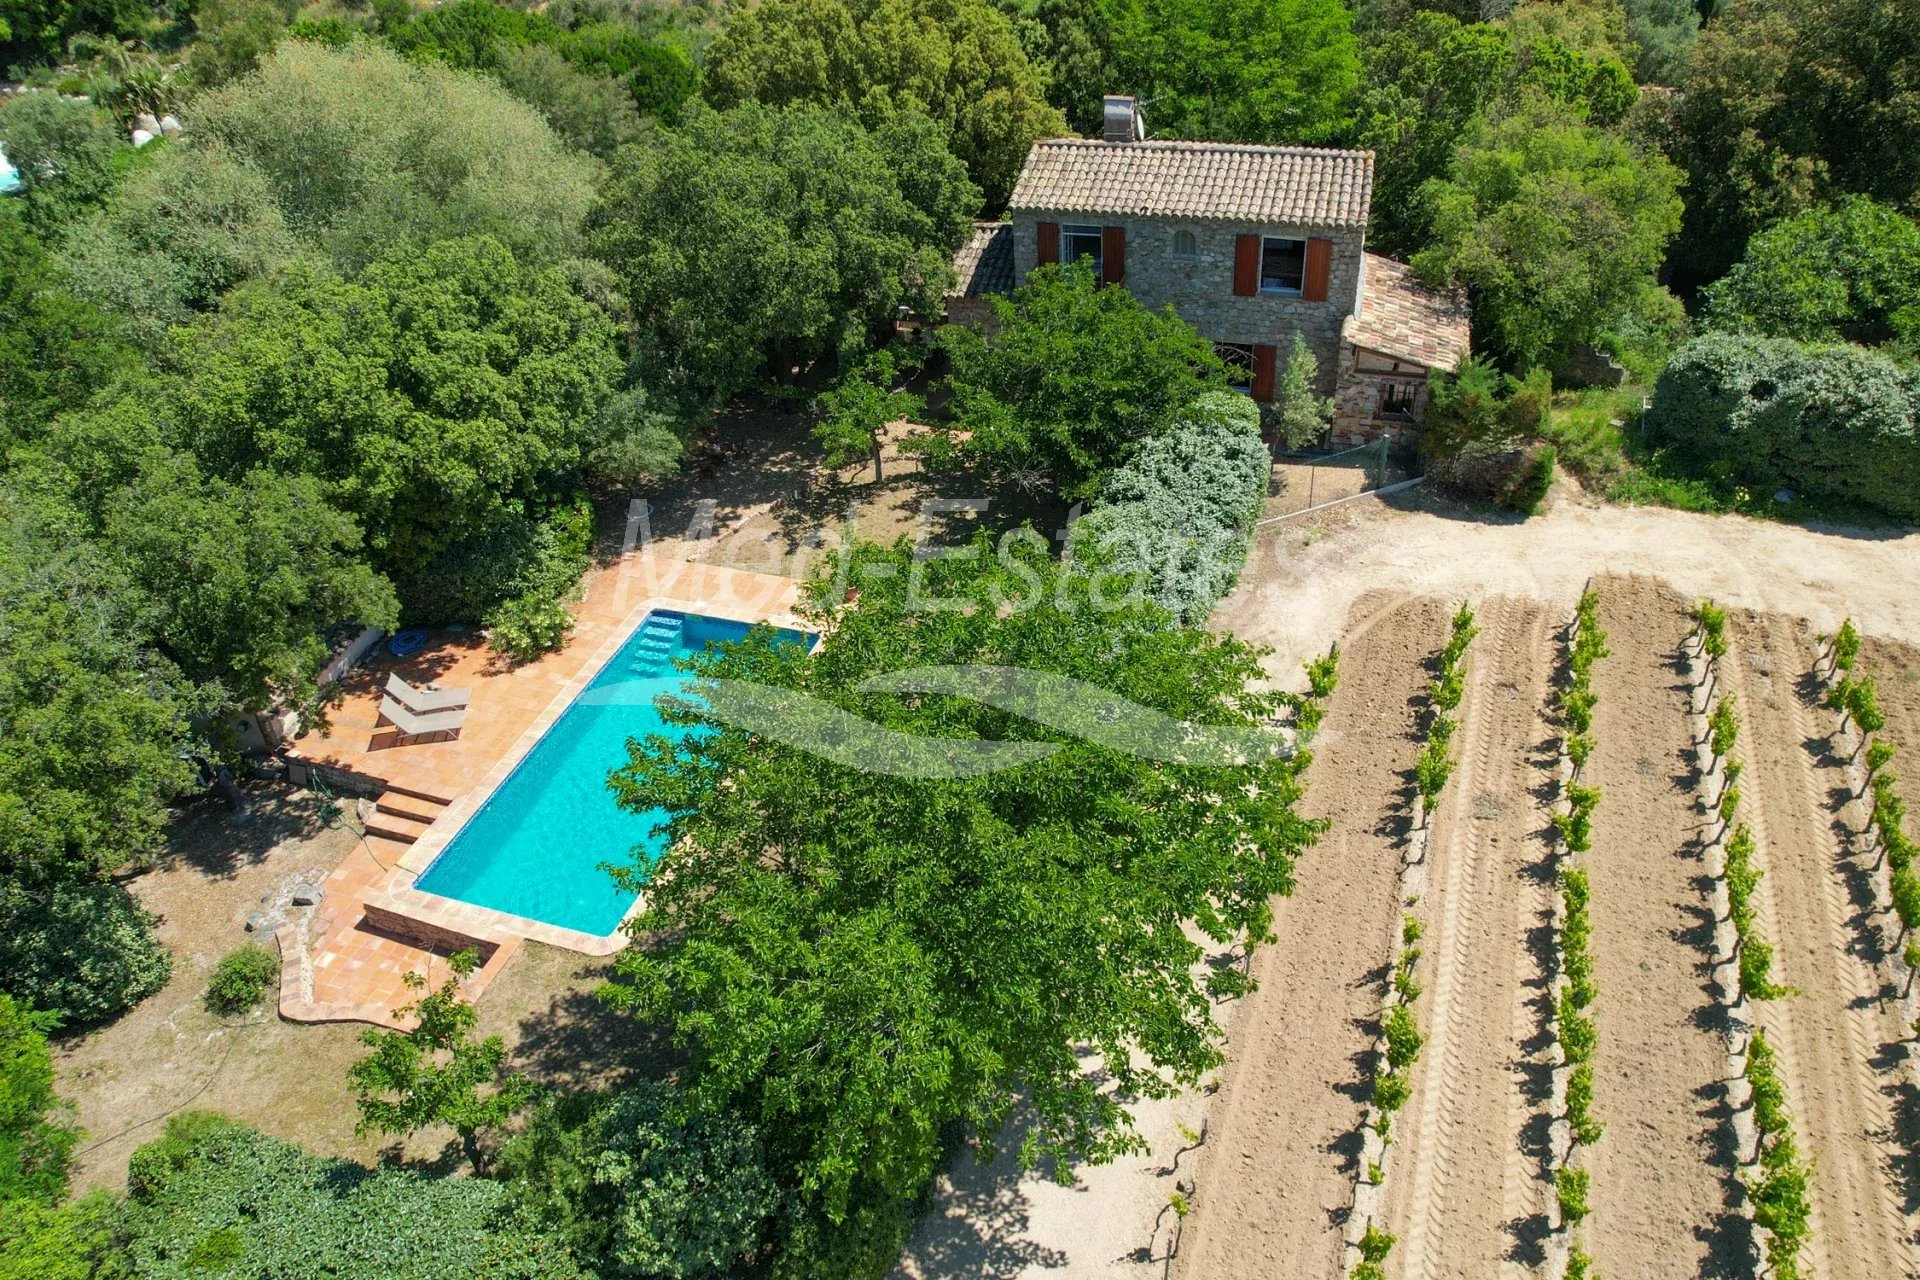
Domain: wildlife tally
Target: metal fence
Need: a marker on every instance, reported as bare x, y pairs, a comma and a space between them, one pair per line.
1305, 480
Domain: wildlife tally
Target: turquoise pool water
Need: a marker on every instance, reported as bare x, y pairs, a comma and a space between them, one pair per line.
535, 848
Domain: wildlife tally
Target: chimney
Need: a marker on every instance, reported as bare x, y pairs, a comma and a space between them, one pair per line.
1123, 122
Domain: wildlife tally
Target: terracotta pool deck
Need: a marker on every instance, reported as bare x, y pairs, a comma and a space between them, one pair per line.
348, 960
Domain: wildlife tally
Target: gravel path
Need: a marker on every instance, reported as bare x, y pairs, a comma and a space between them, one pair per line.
1839, 1037
1466, 1192
1663, 1188
1277, 1172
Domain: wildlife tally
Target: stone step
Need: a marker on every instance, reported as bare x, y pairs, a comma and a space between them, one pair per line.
396, 827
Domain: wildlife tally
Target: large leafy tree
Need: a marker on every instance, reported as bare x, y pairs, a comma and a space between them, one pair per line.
174, 237
1275, 71
866, 962
68, 151
1074, 378
1555, 225
957, 62
1846, 274
55, 350
436, 395
36, 1137
93, 720
366, 152
1792, 102
764, 238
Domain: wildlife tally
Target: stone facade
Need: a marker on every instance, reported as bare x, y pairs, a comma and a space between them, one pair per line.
1200, 286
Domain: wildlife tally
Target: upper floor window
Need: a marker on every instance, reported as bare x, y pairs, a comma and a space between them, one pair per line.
1283, 265
1186, 246
1078, 244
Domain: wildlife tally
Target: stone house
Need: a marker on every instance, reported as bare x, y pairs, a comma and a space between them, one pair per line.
1250, 244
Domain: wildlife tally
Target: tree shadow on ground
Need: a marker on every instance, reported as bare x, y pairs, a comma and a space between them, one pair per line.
209, 838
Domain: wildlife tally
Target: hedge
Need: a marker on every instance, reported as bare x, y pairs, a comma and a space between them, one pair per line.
1178, 516
1836, 422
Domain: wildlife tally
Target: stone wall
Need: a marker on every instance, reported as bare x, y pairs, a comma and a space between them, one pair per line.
1356, 404
1201, 288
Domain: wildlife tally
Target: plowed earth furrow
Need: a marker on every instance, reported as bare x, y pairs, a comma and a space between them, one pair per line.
1277, 1171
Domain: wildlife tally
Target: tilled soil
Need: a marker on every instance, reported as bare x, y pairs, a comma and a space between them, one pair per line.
1278, 1171
1663, 1190
1895, 669
1467, 1194
1839, 1037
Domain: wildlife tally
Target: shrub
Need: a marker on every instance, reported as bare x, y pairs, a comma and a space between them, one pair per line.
515, 557
82, 951
1403, 1037
240, 979
1177, 519
646, 1184
1832, 422
527, 626
214, 1200
35, 1138
1570, 1189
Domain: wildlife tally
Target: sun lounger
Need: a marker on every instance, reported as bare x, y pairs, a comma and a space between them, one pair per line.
424, 701
411, 725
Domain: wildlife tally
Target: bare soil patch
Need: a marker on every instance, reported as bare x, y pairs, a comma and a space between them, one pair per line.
289, 1079
1840, 1037
1663, 1187
1466, 1189
1277, 1172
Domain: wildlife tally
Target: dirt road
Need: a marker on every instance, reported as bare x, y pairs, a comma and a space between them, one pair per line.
1278, 1168
1840, 1036
1663, 1188
1466, 1190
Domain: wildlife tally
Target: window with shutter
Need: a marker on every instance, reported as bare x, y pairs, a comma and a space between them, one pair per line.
1113, 255
1047, 241
1263, 372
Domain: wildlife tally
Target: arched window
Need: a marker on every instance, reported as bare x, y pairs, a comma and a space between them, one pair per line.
1185, 245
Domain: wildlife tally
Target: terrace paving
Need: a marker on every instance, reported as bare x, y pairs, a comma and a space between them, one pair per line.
341, 965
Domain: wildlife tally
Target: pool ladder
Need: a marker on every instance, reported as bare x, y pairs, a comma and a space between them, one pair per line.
653, 656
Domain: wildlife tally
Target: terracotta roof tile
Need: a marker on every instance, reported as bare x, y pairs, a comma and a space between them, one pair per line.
1399, 316
1265, 186
985, 263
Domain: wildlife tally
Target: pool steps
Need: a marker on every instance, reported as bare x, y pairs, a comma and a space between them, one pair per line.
653, 656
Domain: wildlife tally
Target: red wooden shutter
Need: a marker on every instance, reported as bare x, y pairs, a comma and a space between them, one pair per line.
1263, 373
1246, 266
1049, 241
1319, 266
1113, 255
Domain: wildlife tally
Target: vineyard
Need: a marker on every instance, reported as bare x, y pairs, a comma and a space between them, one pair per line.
1605, 967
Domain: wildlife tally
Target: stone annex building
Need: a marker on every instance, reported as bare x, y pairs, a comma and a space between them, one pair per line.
1249, 244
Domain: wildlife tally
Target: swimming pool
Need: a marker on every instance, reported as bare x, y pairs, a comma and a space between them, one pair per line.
535, 848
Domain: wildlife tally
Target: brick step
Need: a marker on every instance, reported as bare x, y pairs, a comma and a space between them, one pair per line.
387, 851
396, 827
396, 805
428, 796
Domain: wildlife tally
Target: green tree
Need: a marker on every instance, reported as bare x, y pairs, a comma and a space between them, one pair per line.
94, 720
234, 36
594, 113
1301, 414
34, 30
1274, 71
646, 1184
866, 963
762, 239
860, 406
55, 350
1555, 226
68, 151
174, 237
367, 153
1075, 378
82, 950
1425, 81
36, 1136
1827, 275
438, 395
245, 578
1068, 43
437, 1073
1790, 103
957, 62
